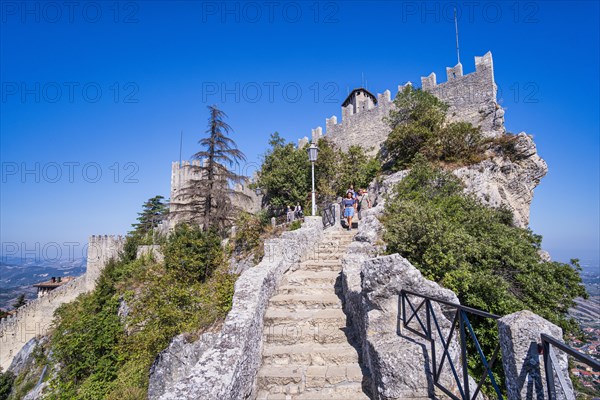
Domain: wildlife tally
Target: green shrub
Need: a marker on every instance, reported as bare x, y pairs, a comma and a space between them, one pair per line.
6, 383
297, 224
249, 235
419, 126
192, 254
99, 355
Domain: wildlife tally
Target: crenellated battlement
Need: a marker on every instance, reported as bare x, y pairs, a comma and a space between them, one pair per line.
470, 97
484, 68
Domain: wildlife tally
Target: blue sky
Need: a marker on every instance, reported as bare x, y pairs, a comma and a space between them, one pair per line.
95, 95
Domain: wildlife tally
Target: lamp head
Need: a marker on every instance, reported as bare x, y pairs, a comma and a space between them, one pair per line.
313, 152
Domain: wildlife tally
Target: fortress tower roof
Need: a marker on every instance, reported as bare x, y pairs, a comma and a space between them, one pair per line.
357, 92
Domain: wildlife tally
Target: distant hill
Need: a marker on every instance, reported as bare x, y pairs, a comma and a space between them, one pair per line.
17, 276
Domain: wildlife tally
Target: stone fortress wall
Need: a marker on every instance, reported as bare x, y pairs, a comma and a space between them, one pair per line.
36, 317
471, 98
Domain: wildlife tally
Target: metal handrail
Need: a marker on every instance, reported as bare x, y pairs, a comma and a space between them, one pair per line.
550, 360
465, 331
329, 216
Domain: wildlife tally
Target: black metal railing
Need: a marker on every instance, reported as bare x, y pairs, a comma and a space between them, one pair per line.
424, 316
550, 362
329, 215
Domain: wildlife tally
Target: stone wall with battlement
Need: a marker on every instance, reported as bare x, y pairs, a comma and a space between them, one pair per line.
471, 98
36, 317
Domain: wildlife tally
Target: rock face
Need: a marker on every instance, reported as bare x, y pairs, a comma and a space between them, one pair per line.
175, 362
498, 181
502, 182
227, 368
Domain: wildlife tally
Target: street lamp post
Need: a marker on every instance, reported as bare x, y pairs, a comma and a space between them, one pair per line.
313, 151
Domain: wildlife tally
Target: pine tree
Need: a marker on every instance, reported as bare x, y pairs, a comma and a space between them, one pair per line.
20, 302
208, 198
153, 212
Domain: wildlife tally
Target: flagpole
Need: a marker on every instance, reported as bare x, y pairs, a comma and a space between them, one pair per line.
456, 28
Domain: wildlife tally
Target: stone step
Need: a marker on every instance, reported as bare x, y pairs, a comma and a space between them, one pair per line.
306, 301
323, 265
349, 391
330, 259
316, 290
275, 378
310, 354
304, 332
310, 278
276, 315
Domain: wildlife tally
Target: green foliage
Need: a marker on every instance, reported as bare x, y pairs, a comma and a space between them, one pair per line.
286, 172
419, 126
98, 354
249, 235
474, 250
153, 212
20, 302
193, 254
295, 225
6, 383
356, 169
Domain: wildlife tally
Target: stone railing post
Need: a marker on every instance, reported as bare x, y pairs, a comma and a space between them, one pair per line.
522, 359
273, 222
337, 212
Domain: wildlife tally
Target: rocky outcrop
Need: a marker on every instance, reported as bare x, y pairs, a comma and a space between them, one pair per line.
175, 362
503, 180
227, 368
507, 181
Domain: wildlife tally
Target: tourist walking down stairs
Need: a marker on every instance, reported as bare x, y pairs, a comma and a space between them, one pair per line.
349, 204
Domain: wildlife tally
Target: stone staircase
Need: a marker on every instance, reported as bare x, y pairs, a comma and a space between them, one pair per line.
308, 351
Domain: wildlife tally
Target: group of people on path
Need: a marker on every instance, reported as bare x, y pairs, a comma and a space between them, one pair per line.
355, 202
294, 213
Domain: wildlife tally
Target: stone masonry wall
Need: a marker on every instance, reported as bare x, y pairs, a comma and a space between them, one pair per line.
36, 317
471, 98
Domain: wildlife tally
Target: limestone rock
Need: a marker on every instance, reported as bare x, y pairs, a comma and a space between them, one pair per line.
175, 362
153, 250
19, 362
497, 181
399, 363
500, 181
